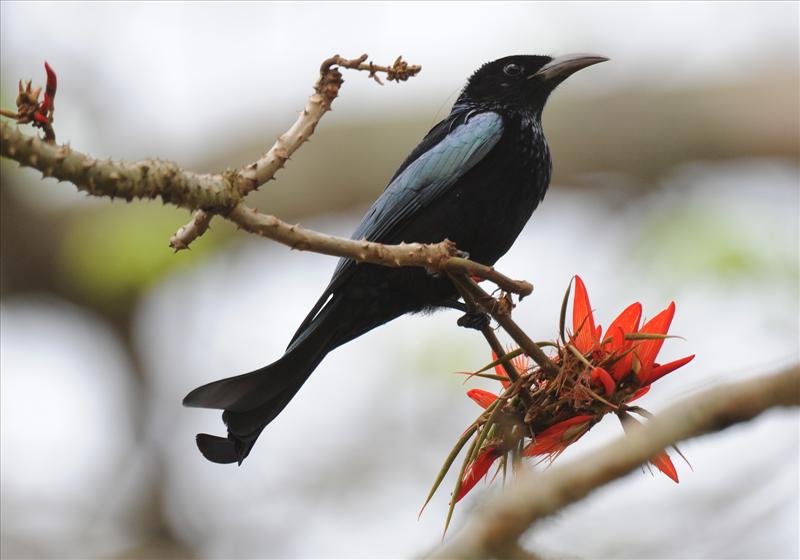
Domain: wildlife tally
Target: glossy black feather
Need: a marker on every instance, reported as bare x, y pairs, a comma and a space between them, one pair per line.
475, 179
451, 149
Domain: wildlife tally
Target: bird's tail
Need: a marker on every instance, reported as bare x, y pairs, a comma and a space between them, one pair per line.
252, 400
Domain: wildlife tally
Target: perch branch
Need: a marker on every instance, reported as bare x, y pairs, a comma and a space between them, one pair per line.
496, 527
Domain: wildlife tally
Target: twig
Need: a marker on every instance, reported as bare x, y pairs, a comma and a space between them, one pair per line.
497, 348
470, 268
503, 318
252, 176
487, 331
197, 226
400, 71
505, 517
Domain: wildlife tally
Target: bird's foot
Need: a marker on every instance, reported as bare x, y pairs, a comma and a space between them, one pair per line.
474, 320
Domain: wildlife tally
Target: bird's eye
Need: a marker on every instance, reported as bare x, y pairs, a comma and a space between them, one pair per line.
512, 69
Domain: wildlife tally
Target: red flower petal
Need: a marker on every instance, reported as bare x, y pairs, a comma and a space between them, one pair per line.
500, 370
49, 92
657, 372
522, 363
663, 463
483, 398
623, 365
627, 322
602, 375
582, 318
51, 78
558, 437
647, 350
477, 470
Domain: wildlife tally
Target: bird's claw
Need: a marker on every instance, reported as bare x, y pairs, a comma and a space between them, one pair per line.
474, 320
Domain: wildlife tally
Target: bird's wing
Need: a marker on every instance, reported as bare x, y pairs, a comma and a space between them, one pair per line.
430, 175
449, 150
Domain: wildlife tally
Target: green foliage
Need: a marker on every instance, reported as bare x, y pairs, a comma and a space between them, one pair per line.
114, 252
686, 243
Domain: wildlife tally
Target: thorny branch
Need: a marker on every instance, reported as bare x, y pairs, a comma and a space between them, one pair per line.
496, 528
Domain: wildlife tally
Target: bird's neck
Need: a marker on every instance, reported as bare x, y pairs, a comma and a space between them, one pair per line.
522, 113
528, 124
523, 129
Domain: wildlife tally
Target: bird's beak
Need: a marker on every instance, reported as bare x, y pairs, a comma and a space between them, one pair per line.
562, 67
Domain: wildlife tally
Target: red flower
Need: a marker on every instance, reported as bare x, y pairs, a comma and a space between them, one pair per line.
555, 439
44, 112
477, 470
627, 348
596, 376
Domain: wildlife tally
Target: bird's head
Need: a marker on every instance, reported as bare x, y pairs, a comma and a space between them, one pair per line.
522, 81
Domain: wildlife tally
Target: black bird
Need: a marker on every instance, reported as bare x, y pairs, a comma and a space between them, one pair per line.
475, 179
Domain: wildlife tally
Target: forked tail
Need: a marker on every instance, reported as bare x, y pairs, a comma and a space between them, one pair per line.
252, 400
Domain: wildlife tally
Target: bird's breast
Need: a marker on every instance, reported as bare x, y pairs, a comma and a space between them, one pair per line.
495, 200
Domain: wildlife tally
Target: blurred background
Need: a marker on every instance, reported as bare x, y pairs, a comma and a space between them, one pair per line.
676, 178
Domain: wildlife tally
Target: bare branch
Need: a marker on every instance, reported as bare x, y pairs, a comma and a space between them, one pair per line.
118, 179
436, 257
400, 71
197, 226
471, 268
433, 256
496, 528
